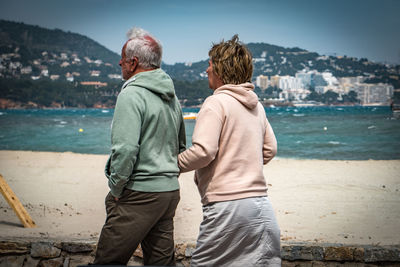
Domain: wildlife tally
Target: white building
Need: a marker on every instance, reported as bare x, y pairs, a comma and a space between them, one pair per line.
294, 94
290, 83
330, 79
115, 76
351, 80
95, 73
256, 60
54, 77
274, 80
374, 94
333, 84
262, 81
45, 72
26, 70
305, 78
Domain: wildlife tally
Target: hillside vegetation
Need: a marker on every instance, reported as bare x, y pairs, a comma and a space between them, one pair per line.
51, 67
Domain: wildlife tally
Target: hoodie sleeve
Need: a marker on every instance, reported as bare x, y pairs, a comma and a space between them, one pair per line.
270, 145
125, 134
182, 137
205, 139
182, 131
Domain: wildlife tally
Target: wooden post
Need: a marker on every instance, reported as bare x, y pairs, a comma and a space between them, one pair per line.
14, 203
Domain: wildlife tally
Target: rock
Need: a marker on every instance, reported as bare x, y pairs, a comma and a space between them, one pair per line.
77, 260
359, 254
31, 262
78, 247
57, 262
339, 253
377, 254
9, 104
44, 250
31, 104
297, 264
305, 252
12, 261
318, 264
66, 262
13, 248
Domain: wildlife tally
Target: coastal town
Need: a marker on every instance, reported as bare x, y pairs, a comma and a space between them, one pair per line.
57, 67
288, 89
297, 89
282, 76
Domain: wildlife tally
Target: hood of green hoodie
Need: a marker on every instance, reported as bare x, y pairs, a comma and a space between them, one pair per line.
156, 81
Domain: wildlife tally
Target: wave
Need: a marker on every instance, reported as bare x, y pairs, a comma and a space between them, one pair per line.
334, 143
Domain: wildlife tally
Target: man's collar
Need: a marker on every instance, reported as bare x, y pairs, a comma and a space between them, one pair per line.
131, 79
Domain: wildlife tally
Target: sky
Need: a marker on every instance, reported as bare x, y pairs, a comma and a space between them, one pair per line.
187, 29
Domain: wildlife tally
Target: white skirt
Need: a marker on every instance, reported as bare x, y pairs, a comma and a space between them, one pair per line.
241, 232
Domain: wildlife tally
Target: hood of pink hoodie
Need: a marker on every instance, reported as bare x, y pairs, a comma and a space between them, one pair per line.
244, 93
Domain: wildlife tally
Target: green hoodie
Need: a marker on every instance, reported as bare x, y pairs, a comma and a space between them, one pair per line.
147, 134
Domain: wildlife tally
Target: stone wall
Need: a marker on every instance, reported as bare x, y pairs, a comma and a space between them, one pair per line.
71, 254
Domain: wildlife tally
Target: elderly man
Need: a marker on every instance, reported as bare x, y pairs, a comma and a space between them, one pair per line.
147, 135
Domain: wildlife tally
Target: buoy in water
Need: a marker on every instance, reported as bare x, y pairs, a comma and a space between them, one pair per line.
325, 128
80, 130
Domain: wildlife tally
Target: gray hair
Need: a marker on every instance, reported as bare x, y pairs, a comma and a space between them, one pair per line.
145, 47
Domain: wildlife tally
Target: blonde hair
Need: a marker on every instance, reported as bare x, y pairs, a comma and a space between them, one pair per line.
232, 61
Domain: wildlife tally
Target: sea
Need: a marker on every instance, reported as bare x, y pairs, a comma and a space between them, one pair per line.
327, 132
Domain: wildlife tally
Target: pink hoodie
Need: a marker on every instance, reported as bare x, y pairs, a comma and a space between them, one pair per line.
231, 141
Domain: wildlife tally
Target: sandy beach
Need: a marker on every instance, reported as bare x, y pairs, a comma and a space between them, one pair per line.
348, 202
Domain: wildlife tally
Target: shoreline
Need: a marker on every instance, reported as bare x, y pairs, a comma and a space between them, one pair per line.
29, 107
274, 159
315, 201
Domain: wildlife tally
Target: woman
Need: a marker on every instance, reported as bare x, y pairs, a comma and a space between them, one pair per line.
231, 141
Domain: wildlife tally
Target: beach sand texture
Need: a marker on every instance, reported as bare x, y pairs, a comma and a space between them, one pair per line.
348, 202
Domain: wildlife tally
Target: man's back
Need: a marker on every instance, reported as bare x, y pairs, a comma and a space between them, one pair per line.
151, 123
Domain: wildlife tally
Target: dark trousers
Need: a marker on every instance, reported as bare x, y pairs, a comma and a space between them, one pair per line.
138, 218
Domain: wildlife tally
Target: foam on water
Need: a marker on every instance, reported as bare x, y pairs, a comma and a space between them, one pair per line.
352, 133
334, 142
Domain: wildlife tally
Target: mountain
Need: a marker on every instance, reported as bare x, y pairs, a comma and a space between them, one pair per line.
58, 68
37, 49
33, 40
41, 67
272, 60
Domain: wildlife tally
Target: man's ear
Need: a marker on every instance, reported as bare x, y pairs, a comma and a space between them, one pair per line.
134, 64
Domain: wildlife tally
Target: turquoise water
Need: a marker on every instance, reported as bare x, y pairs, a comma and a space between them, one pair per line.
347, 133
